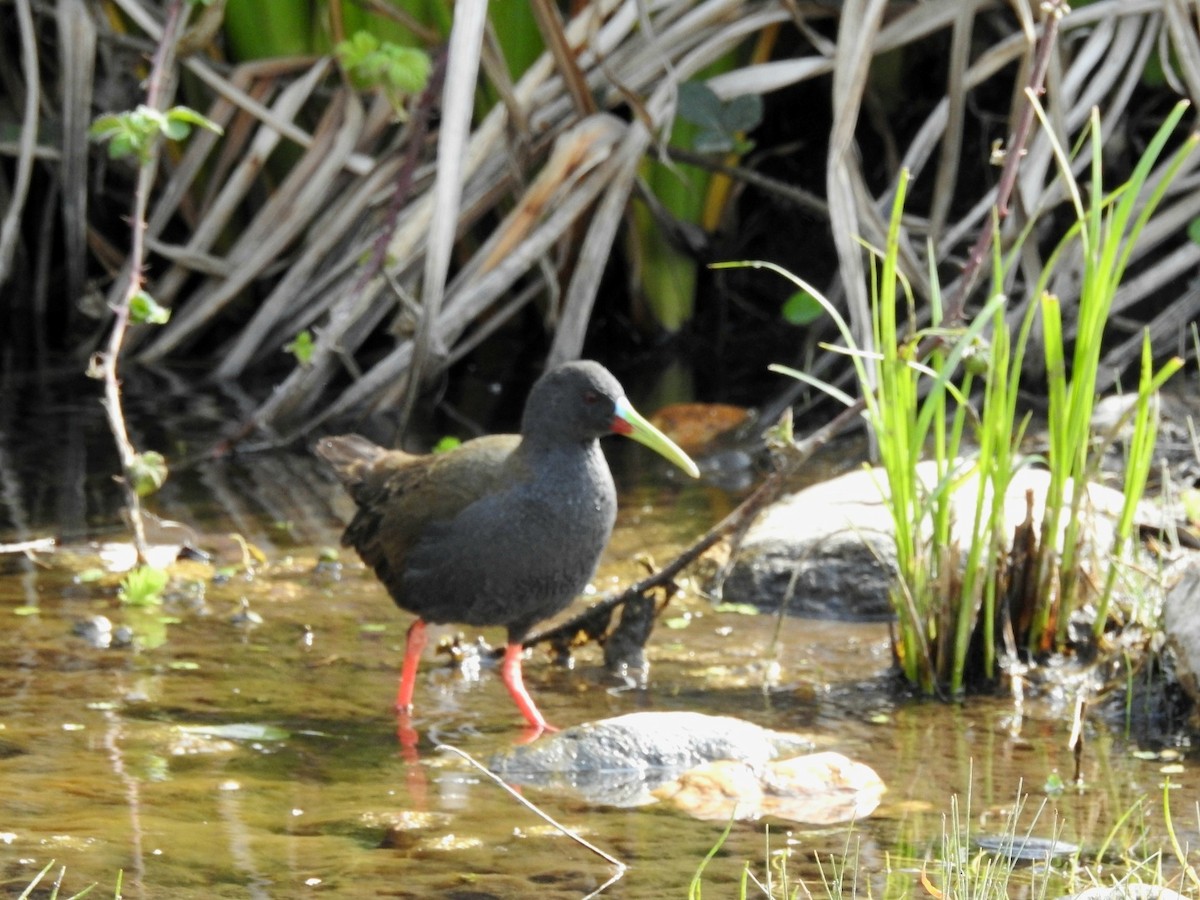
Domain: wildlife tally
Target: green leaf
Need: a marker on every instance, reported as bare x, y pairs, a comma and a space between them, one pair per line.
407, 68
147, 472
802, 308
302, 347
239, 731
721, 124
743, 113
1193, 230
106, 127
712, 141
1054, 785
133, 133
396, 70
740, 609
446, 444
175, 130
699, 105
144, 309
352, 51
186, 114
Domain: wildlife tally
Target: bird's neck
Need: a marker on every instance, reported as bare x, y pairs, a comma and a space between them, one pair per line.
566, 463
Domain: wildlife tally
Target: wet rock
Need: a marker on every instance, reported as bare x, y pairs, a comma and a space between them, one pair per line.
1026, 848
100, 633
96, 631
817, 789
828, 551
1181, 625
1126, 892
619, 761
245, 617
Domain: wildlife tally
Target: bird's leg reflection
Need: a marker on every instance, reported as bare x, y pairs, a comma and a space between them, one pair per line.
414, 772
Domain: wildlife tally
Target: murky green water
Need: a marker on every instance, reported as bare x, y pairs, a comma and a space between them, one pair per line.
243, 760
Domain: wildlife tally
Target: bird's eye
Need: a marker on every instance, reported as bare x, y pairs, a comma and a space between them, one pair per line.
590, 397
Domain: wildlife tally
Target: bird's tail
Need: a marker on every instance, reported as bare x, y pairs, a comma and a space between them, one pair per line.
350, 456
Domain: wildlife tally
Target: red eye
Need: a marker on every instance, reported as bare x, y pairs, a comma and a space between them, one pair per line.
590, 397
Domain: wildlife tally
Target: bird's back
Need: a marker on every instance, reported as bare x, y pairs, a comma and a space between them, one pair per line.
482, 535
400, 496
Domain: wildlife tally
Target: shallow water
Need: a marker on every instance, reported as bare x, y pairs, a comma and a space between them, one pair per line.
225, 759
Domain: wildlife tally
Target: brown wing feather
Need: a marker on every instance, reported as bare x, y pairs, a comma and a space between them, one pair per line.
399, 494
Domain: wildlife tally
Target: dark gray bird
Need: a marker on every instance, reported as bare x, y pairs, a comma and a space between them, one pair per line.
503, 530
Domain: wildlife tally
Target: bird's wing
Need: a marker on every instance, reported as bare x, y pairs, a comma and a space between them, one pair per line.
400, 497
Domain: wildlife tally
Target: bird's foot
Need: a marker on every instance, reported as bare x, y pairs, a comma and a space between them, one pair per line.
533, 731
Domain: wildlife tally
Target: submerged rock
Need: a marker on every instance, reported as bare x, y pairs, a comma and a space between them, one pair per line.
710, 767
619, 761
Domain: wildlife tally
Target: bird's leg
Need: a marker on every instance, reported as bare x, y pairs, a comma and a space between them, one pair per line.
510, 671
408, 671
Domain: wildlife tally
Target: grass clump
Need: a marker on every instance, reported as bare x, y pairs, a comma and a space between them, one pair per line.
143, 586
960, 602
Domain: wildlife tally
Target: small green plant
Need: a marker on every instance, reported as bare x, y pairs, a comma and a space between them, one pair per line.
936, 607
143, 586
695, 888
144, 310
721, 124
397, 71
301, 347
134, 132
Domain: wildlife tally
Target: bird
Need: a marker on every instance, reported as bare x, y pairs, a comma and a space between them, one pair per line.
503, 530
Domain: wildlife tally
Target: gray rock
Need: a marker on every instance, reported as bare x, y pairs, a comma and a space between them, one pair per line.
1181, 624
1126, 892
618, 761
828, 551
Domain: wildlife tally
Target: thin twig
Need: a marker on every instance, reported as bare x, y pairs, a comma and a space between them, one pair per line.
546, 817
1014, 152
106, 362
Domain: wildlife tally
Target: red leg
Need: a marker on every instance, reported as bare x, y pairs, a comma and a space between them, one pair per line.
408, 671
510, 671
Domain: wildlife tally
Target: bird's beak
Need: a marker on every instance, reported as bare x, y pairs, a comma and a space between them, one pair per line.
629, 422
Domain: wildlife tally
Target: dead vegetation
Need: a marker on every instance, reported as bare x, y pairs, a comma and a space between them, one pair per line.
318, 210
